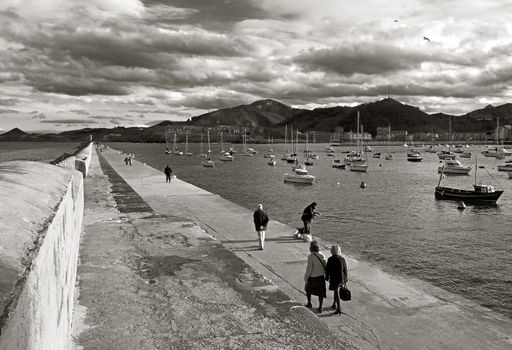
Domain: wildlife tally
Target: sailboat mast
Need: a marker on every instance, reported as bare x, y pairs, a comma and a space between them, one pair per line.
285, 133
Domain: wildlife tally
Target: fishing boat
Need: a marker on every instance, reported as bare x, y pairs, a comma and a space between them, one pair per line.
167, 150
299, 175
480, 193
454, 167
414, 156
208, 162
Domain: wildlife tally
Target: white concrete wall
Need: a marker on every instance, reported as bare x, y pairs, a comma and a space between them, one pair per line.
40, 223
83, 159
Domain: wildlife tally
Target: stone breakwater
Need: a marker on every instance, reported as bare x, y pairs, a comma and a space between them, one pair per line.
40, 222
41, 212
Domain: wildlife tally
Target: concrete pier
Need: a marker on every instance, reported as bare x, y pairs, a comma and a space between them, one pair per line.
387, 312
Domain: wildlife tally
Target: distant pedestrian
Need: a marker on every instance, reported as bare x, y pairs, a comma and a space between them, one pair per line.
337, 275
168, 173
130, 159
307, 215
126, 160
314, 276
260, 224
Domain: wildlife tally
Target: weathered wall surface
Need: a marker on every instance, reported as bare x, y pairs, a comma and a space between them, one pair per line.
40, 222
83, 159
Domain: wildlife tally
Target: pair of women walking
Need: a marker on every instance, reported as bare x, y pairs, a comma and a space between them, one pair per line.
318, 270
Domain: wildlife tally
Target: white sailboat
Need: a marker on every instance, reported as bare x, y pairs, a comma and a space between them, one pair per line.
285, 154
389, 156
299, 175
187, 152
224, 156
208, 162
245, 152
307, 153
167, 150
201, 153
359, 164
175, 149
447, 154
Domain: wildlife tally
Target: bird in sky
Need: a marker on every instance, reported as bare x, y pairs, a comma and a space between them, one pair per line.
396, 20
425, 38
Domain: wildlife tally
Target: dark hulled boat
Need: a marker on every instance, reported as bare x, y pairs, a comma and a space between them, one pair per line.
479, 194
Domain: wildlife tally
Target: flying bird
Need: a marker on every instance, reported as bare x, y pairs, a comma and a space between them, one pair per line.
425, 38
396, 20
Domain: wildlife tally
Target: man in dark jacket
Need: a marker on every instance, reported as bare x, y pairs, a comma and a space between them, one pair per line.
168, 172
307, 215
260, 224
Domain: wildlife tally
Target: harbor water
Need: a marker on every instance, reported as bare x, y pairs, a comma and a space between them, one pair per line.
395, 221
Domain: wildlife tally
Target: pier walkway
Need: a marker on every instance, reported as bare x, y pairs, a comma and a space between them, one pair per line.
387, 312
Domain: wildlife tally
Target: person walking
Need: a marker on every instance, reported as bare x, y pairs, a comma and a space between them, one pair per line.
260, 224
337, 274
314, 276
307, 215
168, 173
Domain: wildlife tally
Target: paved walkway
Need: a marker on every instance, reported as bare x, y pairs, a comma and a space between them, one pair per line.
149, 281
388, 312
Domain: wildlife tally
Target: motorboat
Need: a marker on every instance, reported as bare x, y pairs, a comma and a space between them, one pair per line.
299, 175
309, 161
291, 158
505, 167
226, 157
359, 167
414, 156
443, 155
454, 167
271, 161
353, 157
338, 164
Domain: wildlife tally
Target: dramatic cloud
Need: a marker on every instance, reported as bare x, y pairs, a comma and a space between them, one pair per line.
179, 58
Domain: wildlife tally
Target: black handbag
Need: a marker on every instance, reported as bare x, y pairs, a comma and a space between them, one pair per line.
345, 294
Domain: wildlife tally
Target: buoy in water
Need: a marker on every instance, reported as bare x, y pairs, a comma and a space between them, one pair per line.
363, 185
461, 205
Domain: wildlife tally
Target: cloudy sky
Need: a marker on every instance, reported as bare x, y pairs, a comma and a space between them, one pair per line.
68, 64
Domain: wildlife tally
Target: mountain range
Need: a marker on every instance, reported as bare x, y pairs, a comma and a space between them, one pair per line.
266, 117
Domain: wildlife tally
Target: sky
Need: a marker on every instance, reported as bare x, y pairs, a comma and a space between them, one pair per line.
71, 64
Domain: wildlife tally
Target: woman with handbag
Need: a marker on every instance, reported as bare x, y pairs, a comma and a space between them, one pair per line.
314, 276
337, 275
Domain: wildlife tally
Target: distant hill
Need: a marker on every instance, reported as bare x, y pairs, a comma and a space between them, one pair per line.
264, 113
268, 117
14, 135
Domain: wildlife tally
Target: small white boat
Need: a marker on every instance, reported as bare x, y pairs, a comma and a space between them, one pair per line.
454, 167
338, 164
359, 167
414, 156
271, 161
208, 163
431, 149
226, 157
353, 157
505, 167
299, 175
367, 149
443, 155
